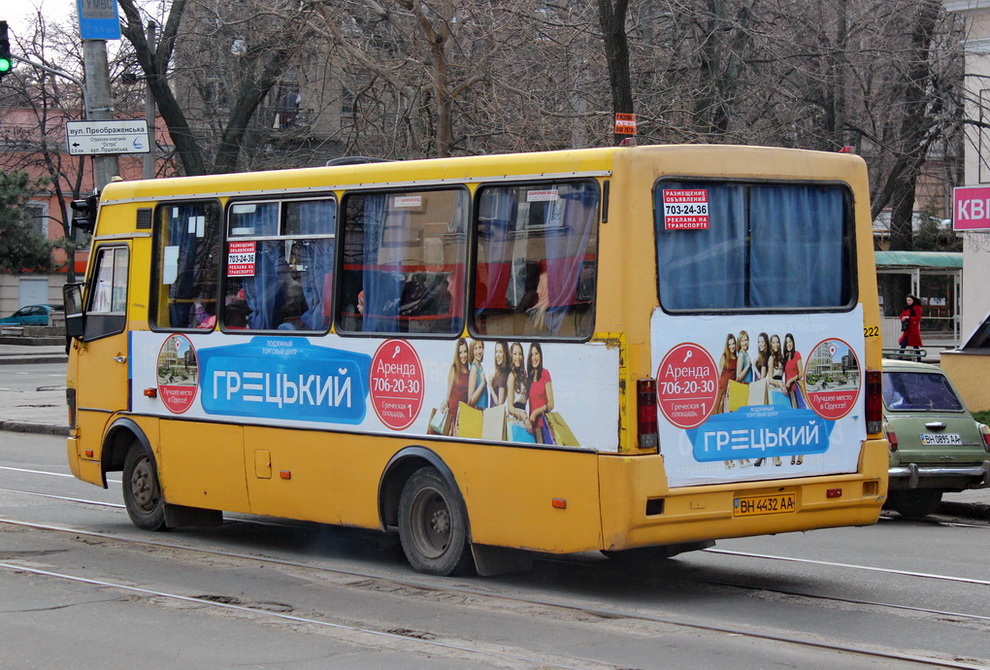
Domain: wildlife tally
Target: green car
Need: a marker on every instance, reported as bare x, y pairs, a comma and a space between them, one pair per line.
935, 443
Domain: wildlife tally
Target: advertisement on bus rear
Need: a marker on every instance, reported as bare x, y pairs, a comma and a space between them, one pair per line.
750, 397
519, 392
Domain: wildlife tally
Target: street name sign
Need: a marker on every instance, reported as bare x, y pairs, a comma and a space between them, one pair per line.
107, 137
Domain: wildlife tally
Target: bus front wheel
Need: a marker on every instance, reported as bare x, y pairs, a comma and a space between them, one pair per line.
433, 525
142, 491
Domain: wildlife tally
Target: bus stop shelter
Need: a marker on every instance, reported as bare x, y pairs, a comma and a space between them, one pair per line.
936, 278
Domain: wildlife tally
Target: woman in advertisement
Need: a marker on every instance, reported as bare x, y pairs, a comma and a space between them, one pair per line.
477, 382
540, 391
457, 383
744, 367
762, 365
518, 386
499, 381
727, 371
793, 374
776, 364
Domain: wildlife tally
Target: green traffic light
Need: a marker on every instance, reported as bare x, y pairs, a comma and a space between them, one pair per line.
5, 64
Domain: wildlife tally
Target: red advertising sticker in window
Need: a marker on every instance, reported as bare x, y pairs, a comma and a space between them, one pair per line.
685, 209
687, 385
396, 384
832, 379
178, 373
240, 259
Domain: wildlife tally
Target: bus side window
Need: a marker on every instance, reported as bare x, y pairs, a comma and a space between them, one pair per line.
536, 260
403, 265
187, 252
279, 266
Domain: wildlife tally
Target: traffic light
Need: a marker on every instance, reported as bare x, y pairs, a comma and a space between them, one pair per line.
6, 60
84, 214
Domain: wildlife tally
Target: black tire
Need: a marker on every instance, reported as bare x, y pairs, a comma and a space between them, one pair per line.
433, 525
142, 490
914, 504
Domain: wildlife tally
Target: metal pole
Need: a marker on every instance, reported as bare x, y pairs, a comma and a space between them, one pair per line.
149, 108
99, 105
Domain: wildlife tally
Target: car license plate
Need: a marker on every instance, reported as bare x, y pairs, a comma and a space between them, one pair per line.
941, 439
773, 504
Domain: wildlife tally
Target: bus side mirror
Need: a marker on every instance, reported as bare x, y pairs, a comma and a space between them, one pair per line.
74, 318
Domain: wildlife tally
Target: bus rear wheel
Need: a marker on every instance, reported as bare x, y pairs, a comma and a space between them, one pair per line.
433, 525
142, 490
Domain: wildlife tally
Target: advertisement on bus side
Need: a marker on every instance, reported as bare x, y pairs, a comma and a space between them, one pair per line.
538, 393
749, 397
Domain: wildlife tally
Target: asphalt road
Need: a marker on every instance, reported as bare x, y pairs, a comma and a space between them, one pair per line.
80, 591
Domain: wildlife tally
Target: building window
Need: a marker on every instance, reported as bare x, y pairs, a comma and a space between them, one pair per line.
39, 214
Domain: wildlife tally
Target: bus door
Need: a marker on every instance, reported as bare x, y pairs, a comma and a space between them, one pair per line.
102, 361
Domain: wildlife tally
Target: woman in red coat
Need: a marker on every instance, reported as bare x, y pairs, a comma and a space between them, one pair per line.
911, 324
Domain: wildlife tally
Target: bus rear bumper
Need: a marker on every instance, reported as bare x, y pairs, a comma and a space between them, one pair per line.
648, 515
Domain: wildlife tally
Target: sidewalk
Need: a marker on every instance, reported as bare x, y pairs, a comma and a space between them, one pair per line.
43, 410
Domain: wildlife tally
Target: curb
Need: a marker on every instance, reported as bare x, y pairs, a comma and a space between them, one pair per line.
969, 510
38, 428
24, 360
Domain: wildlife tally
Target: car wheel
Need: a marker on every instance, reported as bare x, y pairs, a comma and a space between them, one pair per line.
916, 503
142, 491
433, 525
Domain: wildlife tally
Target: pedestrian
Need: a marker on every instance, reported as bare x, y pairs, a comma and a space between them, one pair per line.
911, 326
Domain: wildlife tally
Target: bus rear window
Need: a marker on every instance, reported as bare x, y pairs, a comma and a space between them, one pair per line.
736, 246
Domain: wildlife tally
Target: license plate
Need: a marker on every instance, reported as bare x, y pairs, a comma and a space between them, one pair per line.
775, 504
941, 439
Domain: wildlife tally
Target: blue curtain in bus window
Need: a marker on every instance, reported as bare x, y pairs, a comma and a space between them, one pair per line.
316, 256
381, 282
704, 268
796, 252
182, 234
566, 246
496, 214
263, 290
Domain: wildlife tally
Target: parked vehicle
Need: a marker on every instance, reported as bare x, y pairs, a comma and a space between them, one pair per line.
935, 443
32, 315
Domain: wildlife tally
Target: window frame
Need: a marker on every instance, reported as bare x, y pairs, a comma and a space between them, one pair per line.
156, 260
100, 324
544, 230
281, 201
398, 190
849, 243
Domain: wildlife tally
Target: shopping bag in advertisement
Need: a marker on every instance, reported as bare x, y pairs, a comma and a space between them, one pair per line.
738, 395
518, 433
468, 421
780, 400
438, 422
546, 437
493, 424
562, 433
758, 392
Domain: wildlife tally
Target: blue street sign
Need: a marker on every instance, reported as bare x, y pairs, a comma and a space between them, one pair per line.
98, 20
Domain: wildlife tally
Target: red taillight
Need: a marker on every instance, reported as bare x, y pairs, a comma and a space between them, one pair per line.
985, 432
891, 436
874, 402
646, 397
